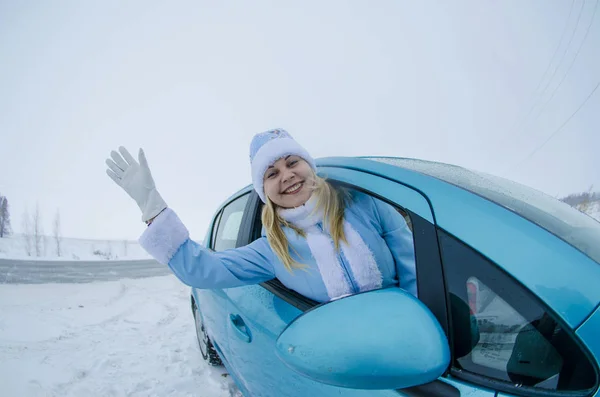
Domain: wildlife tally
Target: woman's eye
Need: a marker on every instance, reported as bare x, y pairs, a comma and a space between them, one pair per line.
270, 175
293, 163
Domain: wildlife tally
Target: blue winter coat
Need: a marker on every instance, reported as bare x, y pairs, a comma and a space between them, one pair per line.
381, 227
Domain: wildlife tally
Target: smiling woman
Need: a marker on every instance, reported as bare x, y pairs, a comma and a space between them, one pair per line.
289, 181
345, 242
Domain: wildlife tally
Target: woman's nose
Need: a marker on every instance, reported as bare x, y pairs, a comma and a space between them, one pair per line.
287, 176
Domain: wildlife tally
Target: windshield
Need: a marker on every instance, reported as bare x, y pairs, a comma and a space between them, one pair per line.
578, 229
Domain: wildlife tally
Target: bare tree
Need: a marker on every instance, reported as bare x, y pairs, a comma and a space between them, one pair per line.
27, 232
124, 247
578, 200
5, 228
37, 231
56, 233
586, 204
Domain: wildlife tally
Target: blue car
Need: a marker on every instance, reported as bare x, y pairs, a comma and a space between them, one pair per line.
508, 297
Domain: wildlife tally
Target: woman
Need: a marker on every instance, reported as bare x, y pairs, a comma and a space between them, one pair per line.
318, 240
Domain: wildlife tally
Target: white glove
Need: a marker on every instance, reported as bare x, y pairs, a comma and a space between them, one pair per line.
137, 181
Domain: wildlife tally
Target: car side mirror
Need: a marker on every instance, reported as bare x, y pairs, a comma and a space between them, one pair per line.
381, 339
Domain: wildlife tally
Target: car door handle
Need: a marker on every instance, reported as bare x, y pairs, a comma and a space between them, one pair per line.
240, 328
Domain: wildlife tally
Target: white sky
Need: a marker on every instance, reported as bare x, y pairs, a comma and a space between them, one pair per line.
191, 82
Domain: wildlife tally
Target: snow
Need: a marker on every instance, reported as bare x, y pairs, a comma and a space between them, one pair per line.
133, 337
15, 247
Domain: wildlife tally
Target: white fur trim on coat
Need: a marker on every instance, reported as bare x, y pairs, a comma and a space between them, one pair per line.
164, 236
322, 249
269, 153
362, 262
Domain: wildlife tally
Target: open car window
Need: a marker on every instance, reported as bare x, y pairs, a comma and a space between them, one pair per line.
275, 286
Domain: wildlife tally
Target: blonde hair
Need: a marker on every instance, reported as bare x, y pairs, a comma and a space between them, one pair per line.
329, 198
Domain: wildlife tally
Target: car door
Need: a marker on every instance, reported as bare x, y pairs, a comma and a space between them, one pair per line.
260, 313
214, 303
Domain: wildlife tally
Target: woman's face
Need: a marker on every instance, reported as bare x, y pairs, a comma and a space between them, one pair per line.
289, 182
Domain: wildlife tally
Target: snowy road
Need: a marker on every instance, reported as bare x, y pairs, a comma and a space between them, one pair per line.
36, 272
132, 337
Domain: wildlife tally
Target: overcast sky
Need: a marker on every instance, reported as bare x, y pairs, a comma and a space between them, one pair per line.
463, 82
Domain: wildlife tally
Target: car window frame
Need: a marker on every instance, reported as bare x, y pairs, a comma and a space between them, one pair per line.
503, 386
426, 251
214, 228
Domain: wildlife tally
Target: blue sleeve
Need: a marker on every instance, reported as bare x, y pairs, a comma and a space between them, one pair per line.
167, 240
399, 240
199, 267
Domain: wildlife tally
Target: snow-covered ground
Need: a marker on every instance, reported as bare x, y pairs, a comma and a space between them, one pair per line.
119, 338
17, 247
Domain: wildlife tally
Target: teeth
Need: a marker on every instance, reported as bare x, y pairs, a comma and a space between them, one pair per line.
293, 188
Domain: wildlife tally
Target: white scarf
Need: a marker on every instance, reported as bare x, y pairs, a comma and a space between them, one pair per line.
363, 267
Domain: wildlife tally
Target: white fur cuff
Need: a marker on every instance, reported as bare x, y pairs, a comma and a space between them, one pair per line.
164, 236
